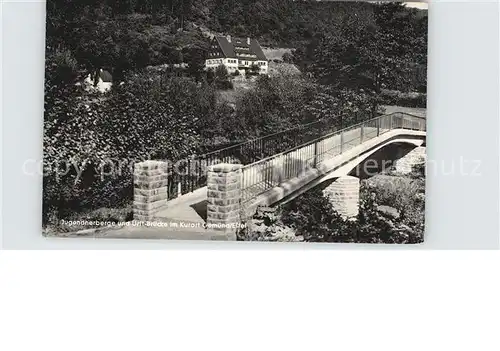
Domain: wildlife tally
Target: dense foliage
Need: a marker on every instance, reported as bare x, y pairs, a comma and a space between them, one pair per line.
383, 43
392, 212
91, 142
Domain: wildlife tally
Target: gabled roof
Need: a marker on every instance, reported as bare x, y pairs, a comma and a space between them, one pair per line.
229, 48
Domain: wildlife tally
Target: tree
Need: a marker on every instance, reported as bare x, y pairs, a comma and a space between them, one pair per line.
195, 59
125, 127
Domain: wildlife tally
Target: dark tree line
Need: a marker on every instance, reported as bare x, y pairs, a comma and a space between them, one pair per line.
348, 52
383, 45
388, 50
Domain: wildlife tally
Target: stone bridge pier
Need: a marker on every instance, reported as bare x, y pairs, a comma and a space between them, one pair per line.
343, 194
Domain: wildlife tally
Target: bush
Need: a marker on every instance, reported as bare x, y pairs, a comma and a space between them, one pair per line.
113, 215
222, 80
274, 104
391, 97
253, 71
406, 195
395, 191
266, 226
287, 57
224, 85
312, 216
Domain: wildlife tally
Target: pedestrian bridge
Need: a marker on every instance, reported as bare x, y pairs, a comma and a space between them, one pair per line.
227, 186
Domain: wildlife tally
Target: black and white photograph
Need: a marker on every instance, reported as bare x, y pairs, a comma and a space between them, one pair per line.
250, 120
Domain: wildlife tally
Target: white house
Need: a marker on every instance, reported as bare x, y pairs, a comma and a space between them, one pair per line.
236, 54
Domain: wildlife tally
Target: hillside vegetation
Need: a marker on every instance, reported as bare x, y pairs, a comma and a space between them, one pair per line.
124, 35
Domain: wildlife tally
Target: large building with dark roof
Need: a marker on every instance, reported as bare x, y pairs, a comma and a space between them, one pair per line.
237, 54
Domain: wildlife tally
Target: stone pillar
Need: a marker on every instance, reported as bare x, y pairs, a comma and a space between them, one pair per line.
405, 164
223, 198
150, 189
343, 194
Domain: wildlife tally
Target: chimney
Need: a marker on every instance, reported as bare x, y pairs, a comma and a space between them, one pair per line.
229, 38
248, 40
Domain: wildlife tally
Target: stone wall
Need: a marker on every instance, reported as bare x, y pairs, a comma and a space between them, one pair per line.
150, 189
343, 194
224, 198
405, 164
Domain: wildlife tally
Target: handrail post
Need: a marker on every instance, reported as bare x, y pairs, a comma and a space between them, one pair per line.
341, 142
315, 154
378, 126
362, 133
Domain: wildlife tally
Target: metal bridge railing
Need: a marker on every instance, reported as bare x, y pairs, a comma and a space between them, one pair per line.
267, 173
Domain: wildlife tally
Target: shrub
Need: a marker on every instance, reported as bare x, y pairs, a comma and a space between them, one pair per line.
287, 57
312, 216
113, 215
222, 80
406, 195
391, 97
267, 226
253, 71
274, 104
